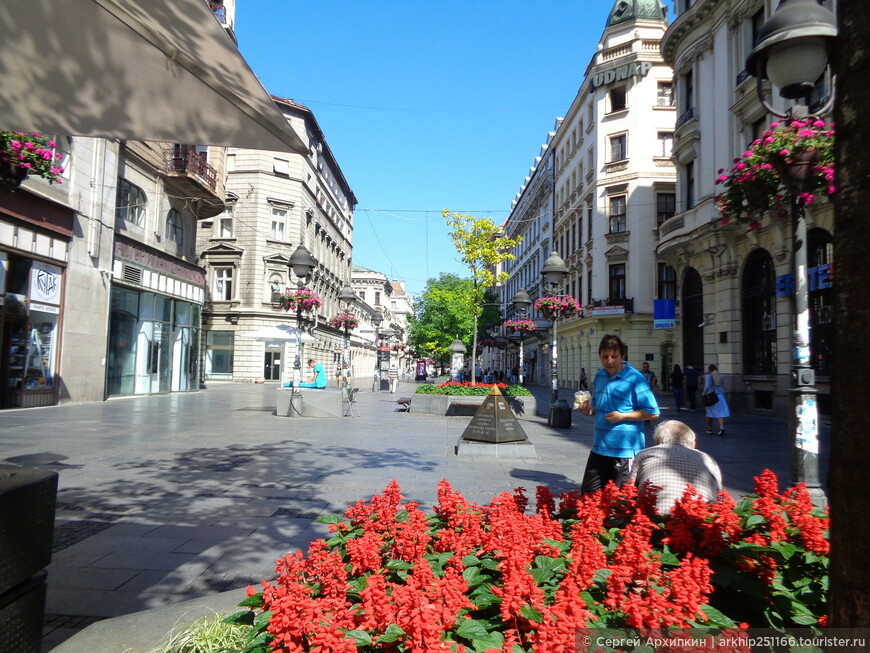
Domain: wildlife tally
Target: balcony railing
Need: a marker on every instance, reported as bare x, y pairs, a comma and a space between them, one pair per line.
186, 160
686, 117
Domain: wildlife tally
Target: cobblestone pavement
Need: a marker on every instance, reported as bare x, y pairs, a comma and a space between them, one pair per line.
169, 498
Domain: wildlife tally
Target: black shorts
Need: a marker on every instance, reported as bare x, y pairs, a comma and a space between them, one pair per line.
601, 469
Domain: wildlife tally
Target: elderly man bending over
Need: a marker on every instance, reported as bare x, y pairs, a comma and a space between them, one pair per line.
673, 463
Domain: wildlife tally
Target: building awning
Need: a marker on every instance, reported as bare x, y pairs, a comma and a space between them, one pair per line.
162, 70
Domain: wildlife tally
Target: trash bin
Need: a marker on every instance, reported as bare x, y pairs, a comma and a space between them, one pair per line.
560, 415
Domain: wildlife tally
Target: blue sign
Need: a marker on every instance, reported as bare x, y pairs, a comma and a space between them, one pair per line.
818, 278
664, 313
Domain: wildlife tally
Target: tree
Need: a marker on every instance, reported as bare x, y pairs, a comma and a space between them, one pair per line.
482, 247
850, 442
443, 314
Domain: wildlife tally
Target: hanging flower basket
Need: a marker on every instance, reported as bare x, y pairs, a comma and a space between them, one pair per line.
798, 155
24, 154
398, 347
345, 321
523, 326
302, 299
556, 307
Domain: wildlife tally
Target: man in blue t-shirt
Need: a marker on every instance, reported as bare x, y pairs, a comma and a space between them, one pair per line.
622, 401
318, 380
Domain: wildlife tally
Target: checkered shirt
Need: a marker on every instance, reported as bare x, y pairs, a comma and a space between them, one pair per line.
671, 467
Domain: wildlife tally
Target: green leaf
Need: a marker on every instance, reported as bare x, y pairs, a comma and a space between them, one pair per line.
532, 614
472, 574
785, 549
243, 618
601, 576
402, 516
253, 601
805, 619
716, 619
438, 560
492, 640
361, 637
667, 557
328, 519
489, 563
262, 619
470, 560
391, 634
755, 520
398, 564
471, 629
483, 597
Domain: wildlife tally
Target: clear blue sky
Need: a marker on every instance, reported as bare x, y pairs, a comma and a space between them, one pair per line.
425, 105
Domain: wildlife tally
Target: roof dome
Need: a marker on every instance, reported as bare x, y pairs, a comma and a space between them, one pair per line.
626, 10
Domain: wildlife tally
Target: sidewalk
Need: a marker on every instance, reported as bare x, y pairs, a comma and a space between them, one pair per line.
169, 498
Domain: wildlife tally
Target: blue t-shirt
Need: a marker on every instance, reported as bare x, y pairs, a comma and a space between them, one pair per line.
320, 379
623, 392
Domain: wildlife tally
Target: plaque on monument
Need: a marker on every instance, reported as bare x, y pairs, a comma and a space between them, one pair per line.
494, 421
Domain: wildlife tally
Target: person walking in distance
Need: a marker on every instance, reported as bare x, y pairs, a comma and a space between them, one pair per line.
677, 377
719, 409
394, 377
692, 376
621, 402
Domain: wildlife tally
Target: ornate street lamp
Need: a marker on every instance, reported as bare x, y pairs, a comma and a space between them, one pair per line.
348, 297
521, 302
792, 52
554, 273
301, 264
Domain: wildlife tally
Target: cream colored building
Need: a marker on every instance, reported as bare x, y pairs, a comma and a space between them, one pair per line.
613, 184
275, 202
731, 312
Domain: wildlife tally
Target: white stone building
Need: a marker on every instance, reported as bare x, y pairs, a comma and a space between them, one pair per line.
727, 276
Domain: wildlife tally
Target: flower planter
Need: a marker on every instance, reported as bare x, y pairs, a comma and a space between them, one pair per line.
757, 195
797, 174
12, 175
523, 407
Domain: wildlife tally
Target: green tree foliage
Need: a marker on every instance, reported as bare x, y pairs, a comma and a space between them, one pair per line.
481, 246
442, 315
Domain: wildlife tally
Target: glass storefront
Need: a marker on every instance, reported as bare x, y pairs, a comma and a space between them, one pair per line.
219, 355
153, 344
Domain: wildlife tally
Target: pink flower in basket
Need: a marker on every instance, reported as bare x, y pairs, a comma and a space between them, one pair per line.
557, 306
344, 321
523, 326
302, 299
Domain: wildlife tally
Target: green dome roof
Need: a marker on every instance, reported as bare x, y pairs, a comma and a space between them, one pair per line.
626, 10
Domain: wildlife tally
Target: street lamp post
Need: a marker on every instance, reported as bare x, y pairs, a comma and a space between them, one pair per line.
792, 52
521, 302
554, 273
346, 296
377, 320
302, 264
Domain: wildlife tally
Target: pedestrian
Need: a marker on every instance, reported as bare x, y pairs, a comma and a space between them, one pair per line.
672, 464
584, 385
318, 377
622, 401
394, 378
691, 375
677, 377
719, 409
649, 375
338, 376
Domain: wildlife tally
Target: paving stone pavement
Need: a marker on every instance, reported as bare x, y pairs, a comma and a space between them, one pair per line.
165, 499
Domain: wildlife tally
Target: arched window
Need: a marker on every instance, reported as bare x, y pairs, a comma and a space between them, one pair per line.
130, 203
174, 231
759, 314
820, 260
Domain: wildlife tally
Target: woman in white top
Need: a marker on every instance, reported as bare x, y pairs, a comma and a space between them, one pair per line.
719, 410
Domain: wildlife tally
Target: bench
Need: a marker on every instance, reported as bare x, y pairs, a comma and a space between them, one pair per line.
405, 403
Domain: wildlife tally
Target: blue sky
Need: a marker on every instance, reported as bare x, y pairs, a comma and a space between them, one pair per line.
425, 105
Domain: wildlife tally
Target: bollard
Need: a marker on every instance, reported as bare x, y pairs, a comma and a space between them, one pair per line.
560, 415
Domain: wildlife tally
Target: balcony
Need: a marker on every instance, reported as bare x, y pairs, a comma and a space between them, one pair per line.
611, 306
685, 117
188, 174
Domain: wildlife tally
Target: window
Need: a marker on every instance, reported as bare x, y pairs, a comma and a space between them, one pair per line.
689, 196
219, 354
618, 99
667, 281
617, 282
225, 223
174, 230
589, 286
666, 144
279, 223
281, 167
617, 148
130, 203
223, 284
759, 314
665, 94
617, 214
589, 218
689, 86
377, 298
666, 207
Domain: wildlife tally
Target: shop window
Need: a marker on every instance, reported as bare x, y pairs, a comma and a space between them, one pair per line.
130, 203
219, 354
